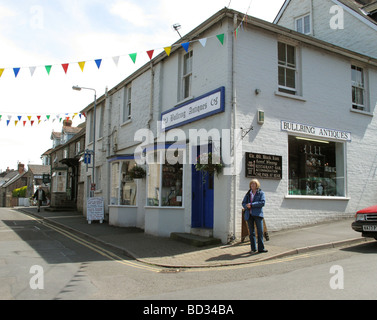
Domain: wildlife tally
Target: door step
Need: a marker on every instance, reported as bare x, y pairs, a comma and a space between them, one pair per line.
195, 240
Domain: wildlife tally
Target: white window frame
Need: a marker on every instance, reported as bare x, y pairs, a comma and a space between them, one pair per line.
187, 75
359, 86
301, 20
127, 103
284, 64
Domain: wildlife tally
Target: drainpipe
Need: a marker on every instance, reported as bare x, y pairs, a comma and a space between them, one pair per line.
151, 97
234, 105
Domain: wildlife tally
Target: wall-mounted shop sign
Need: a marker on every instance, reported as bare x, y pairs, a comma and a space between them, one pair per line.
316, 132
199, 108
264, 166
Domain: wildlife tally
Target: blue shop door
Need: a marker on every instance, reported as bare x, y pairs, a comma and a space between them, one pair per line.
202, 200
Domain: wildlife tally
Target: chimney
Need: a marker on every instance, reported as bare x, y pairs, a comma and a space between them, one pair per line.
67, 123
21, 168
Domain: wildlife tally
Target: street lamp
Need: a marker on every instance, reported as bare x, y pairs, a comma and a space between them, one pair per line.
77, 88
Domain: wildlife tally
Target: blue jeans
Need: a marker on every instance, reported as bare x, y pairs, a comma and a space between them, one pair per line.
259, 224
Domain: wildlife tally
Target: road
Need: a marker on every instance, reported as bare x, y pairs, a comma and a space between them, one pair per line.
39, 261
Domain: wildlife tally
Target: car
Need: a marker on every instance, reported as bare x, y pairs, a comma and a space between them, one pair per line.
366, 222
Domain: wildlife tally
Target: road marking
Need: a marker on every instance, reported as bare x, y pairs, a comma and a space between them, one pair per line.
105, 253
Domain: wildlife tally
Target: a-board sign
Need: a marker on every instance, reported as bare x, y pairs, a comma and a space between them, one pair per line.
95, 209
264, 166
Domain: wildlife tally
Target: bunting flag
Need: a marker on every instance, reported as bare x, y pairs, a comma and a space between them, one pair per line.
150, 54
98, 63
48, 69
16, 71
186, 46
133, 57
168, 50
65, 67
82, 65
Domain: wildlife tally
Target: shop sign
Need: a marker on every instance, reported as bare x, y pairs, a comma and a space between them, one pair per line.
199, 108
95, 209
316, 132
264, 166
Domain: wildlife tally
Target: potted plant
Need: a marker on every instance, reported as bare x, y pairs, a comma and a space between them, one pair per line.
137, 172
210, 163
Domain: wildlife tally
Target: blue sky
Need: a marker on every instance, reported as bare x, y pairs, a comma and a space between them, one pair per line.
52, 32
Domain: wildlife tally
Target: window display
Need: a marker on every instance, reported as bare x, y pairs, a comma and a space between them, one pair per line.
316, 168
167, 191
123, 187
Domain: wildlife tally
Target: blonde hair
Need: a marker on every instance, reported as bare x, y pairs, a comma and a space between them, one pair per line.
256, 182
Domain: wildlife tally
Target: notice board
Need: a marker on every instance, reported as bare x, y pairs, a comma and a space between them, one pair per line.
264, 166
95, 209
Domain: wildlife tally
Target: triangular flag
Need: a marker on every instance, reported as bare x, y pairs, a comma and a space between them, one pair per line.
32, 70
167, 50
116, 60
203, 42
186, 46
82, 65
16, 71
32, 122
8, 121
19, 118
74, 115
221, 38
15, 123
48, 69
1, 72
150, 54
65, 67
47, 117
24, 123
98, 63
39, 117
29, 117
133, 57
0, 117
236, 33
9, 118
39, 121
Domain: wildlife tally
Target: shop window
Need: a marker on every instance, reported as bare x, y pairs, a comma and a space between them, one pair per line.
287, 68
129, 188
123, 187
316, 168
165, 181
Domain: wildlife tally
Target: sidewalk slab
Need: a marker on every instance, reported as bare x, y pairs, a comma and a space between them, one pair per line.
170, 253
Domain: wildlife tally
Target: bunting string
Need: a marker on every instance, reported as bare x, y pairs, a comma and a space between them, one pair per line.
31, 120
65, 67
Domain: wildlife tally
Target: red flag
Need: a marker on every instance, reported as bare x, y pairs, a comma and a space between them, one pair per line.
65, 67
150, 54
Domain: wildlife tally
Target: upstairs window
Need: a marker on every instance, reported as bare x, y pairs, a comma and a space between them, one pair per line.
303, 24
127, 105
287, 68
187, 74
358, 88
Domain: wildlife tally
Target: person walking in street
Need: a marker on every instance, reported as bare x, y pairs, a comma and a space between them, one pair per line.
253, 203
40, 196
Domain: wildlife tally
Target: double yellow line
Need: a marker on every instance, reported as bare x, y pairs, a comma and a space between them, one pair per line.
105, 253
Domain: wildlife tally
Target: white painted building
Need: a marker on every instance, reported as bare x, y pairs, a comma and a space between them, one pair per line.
277, 102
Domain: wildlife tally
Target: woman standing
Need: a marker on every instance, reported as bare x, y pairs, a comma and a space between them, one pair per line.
253, 204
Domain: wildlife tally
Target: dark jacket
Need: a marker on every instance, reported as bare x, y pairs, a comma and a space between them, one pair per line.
256, 206
36, 195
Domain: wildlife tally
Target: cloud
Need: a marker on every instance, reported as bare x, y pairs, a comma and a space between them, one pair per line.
131, 12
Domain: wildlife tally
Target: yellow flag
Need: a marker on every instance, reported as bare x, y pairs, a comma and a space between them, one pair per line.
168, 50
29, 117
82, 65
16, 122
1, 72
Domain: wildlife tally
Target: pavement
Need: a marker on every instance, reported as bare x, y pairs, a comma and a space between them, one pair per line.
170, 253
